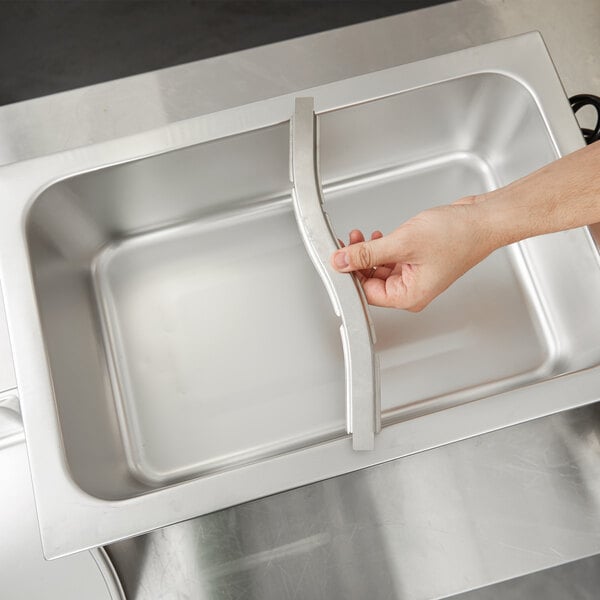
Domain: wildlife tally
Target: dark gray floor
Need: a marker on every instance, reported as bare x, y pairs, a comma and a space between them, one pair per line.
55, 45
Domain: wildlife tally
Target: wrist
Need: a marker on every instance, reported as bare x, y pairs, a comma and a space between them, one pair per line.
500, 221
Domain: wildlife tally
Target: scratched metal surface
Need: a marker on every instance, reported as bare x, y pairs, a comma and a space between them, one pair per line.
117, 108
133, 104
436, 524
428, 526
578, 580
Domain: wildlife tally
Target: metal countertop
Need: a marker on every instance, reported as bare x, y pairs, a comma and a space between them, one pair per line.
126, 106
441, 522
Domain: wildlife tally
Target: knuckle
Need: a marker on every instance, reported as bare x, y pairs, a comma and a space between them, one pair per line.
413, 305
417, 308
363, 256
419, 304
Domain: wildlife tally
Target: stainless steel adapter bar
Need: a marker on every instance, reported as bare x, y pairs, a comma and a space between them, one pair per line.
345, 292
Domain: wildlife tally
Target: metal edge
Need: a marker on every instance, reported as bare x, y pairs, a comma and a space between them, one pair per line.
344, 290
108, 572
42, 170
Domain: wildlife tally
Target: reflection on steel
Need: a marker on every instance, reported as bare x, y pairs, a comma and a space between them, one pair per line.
180, 342
484, 509
24, 572
426, 526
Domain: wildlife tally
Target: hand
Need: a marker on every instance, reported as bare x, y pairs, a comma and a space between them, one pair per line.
415, 263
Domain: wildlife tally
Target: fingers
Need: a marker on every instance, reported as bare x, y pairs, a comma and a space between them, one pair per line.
382, 272
392, 293
357, 237
386, 293
362, 255
375, 292
383, 265
469, 200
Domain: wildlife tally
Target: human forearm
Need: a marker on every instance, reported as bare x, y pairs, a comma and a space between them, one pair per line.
562, 195
416, 262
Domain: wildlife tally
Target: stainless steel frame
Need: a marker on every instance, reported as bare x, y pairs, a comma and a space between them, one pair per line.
25, 573
74, 514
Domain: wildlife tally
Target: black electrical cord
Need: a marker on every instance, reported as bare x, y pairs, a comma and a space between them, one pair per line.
581, 100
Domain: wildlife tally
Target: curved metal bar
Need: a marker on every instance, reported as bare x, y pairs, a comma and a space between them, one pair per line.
345, 292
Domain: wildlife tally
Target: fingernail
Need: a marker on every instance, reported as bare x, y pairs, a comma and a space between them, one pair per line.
341, 260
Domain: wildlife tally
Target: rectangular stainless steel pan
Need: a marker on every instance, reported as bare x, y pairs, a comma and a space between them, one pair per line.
175, 349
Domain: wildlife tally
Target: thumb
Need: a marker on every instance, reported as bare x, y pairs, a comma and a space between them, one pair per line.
367, 254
